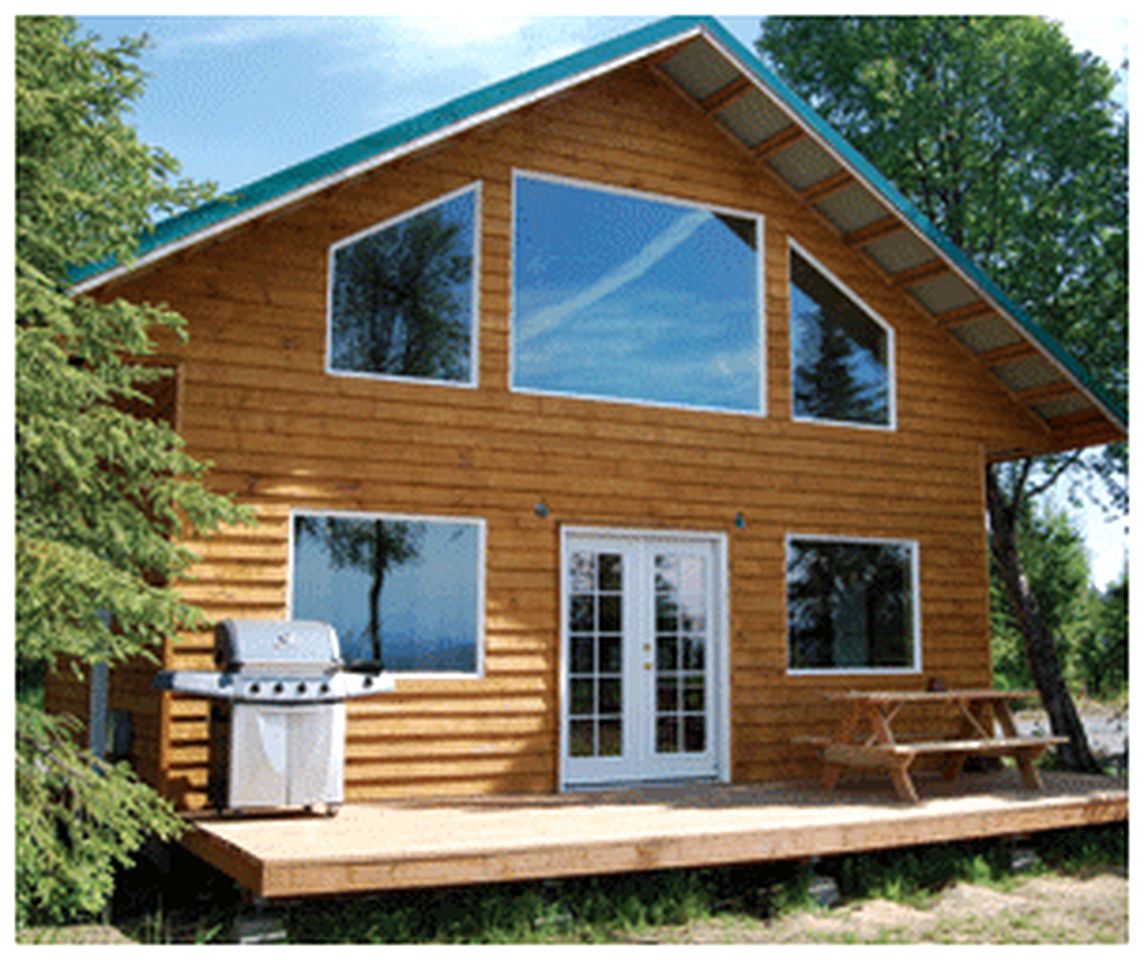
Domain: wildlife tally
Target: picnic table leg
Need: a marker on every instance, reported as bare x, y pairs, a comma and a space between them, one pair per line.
831, 772
1026, 759
899, 766
903, 782
976, 723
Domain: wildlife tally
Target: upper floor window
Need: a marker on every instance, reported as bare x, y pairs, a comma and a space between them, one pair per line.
623, 296
403, 295
842, 355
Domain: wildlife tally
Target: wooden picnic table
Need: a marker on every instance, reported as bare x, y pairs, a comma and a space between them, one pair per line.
866, 738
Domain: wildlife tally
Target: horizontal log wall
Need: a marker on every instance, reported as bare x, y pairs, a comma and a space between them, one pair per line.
281, 433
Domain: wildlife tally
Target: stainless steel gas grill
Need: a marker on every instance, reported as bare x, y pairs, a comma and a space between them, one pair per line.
278, 726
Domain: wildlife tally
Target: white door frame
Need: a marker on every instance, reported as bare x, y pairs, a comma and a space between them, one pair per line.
720, 639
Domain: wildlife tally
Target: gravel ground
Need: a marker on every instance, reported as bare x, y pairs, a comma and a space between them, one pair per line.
1106, 725
1048, 909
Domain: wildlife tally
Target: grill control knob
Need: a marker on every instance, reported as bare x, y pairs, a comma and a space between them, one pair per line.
278, 688
301, 688
255, 688
367, 682
325, 688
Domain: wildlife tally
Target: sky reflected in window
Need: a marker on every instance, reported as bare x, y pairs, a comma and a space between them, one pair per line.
623, 297
403, 595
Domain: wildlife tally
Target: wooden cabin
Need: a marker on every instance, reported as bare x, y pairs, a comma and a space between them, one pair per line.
619, 411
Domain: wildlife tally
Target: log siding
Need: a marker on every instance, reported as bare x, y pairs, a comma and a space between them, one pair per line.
284, 435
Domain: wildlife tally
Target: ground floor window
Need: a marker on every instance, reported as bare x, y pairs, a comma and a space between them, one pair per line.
852, 604
405, 594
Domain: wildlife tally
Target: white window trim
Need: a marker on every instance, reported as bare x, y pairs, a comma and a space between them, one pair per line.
915, 586
474, 339
482, 563
891, 348
760, 226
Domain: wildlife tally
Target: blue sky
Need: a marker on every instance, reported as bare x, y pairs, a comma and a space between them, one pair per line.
237, 98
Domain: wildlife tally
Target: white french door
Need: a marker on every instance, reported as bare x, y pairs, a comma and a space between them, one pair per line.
644, 661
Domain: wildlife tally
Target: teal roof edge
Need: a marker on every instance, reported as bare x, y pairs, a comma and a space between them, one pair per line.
332, 162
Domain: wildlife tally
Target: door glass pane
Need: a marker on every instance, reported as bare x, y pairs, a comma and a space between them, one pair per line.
681, 638
595, 666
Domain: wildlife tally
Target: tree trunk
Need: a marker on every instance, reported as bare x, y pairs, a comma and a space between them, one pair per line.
378, 572
1040, 647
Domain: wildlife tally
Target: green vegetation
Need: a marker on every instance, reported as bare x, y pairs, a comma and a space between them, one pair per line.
1091, 626
102, 497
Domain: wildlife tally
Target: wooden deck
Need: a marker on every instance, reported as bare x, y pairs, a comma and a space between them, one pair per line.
404, 844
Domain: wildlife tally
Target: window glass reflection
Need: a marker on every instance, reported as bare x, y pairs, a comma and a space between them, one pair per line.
625, 297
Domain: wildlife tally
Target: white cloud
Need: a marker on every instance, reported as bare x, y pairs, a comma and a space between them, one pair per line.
1107, 37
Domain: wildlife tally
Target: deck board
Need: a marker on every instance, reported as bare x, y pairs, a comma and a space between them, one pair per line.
405, 844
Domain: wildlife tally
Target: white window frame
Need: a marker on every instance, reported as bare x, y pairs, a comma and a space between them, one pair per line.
891, 347
915, 587
474, 340
482, 565
760, 225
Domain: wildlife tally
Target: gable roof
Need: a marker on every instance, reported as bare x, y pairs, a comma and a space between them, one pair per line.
703, 61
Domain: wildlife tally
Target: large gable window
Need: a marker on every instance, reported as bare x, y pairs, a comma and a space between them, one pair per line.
622, 296
403, 296
405, 594
852, 605
841, 354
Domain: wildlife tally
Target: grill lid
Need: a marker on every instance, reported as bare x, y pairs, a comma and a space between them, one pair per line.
272, 644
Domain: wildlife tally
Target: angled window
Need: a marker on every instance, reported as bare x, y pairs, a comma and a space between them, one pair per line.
402, 296
622, 296
852, 605
841, 354
405, 594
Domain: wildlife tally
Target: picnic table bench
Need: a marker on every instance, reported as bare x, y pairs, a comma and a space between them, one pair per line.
865, 737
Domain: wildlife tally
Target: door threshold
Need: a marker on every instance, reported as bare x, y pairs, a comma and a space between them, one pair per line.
606, 785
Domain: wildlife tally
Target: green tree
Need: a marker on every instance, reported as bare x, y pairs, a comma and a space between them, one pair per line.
104, 500
1100, 655
1008, 140
1057, 566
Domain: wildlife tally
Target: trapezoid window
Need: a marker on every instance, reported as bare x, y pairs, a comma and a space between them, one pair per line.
622, 296
405, 594
402, 298
841, 356
852, 604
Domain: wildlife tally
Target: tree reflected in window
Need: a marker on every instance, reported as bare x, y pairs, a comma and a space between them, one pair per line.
840, 355
850, 605
403, 595
401, 299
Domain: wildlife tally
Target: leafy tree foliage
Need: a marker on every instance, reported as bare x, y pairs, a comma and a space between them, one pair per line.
1058, 570
1007, 139
104, 500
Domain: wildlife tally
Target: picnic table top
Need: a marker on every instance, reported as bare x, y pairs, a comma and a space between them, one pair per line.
931, 696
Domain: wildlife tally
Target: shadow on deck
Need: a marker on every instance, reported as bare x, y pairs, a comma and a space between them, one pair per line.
443, 842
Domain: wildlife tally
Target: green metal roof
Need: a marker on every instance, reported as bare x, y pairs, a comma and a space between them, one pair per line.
347, 160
